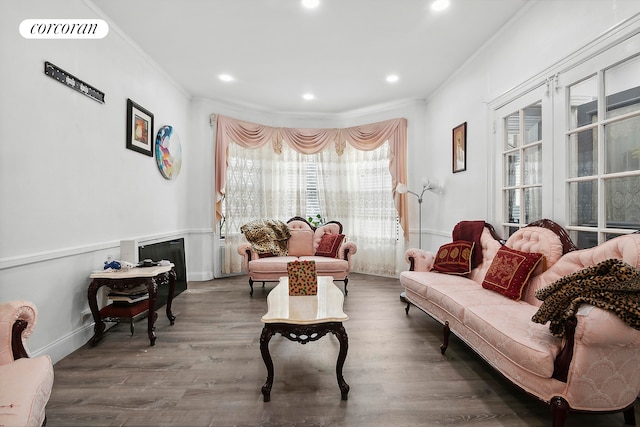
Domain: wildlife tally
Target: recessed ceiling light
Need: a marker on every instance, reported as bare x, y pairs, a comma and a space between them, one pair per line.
309, 96
311, 4
392, 78
440, 4
226, 77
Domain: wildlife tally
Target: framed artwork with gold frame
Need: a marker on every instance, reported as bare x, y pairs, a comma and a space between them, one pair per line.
459, 145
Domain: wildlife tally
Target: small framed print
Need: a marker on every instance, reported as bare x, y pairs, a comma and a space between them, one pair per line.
139, 129
460, 148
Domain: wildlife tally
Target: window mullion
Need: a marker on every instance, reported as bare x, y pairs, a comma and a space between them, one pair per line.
602, 114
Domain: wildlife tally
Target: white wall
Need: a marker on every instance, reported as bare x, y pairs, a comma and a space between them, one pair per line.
70, 189
540, 36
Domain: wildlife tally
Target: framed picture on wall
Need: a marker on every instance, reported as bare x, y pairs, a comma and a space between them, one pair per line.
460, 148
139, 129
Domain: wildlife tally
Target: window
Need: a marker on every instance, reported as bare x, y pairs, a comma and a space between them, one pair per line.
522, 159
313, 200
522, 166
604, 154
353, 187
568, 147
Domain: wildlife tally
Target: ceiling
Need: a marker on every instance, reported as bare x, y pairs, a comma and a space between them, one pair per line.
342, 51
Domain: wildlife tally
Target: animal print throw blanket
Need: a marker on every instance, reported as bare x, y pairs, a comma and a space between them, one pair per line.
267, 236
611, 284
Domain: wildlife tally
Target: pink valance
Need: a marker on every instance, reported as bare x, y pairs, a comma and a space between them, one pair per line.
310, 141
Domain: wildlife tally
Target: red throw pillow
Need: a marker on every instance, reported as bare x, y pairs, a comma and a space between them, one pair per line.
266, 255
510, 270
329, 245
454, 257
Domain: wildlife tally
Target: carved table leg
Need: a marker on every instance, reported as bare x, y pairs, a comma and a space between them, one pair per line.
265, 337
99, 327
446, 331
172, 291
251, 286
341, 334
152, 288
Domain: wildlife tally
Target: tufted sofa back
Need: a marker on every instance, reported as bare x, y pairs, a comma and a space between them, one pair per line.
626, 248
304, 240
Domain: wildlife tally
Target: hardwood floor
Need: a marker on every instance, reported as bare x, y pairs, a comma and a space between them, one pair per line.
206, 370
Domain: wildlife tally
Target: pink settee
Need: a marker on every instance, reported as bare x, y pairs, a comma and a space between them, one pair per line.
25, 383
594, 367
303, 244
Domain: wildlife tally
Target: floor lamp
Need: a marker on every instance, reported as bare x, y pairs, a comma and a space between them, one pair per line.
402, 189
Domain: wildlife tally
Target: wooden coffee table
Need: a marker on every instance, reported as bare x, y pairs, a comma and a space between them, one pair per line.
304, 319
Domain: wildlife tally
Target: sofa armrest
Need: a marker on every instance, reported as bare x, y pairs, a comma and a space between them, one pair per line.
599, 327
606, 355
17, 322
419, 259
347, 250
247, 253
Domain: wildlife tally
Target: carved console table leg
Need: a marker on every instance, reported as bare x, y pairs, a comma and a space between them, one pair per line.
172, 291
265, 337
99, 326
152, 288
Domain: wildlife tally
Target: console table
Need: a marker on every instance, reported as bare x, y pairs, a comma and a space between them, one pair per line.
120, 280
304, 319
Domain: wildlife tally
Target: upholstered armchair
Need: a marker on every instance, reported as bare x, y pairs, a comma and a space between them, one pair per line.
26, 382
325, 245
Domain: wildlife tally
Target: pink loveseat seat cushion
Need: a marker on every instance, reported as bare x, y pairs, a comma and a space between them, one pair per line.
272, 264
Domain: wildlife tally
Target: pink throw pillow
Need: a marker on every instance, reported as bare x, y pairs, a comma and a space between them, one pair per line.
300, 243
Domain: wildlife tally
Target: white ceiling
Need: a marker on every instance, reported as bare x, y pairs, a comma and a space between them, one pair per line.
342, 51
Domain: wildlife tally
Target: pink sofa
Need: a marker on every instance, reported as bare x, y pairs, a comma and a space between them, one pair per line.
302, 245
25, 383
595, 367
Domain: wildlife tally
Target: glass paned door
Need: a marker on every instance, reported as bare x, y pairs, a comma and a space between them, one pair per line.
522, 166
603, 146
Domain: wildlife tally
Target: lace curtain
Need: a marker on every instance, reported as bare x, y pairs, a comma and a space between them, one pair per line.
260, 184
356, 187
261, 170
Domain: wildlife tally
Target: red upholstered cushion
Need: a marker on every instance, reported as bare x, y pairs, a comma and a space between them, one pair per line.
510, 270
329, 245
267, 255
454, 257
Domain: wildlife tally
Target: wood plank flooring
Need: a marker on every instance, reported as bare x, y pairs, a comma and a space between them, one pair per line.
206, 370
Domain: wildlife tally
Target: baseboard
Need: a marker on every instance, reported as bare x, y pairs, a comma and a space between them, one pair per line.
200, 276
66, 345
